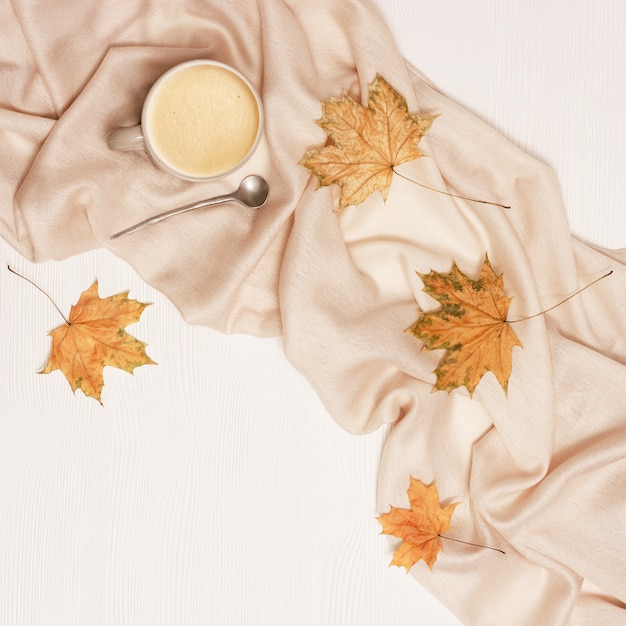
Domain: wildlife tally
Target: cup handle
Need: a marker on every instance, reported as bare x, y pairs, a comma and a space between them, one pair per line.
125, 139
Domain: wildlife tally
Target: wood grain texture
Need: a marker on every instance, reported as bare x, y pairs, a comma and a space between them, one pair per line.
214, 489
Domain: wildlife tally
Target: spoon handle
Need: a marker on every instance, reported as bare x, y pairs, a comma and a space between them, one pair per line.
163, 216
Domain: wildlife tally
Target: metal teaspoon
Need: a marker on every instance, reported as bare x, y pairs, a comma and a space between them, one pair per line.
252, 192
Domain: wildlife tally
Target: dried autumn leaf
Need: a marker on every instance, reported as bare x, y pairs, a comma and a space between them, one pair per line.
367, 143
471, 326
419, 527
94, 337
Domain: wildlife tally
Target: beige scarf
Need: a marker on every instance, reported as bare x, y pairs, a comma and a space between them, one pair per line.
540, 472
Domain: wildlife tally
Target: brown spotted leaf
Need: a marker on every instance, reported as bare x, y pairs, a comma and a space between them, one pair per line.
470, 325
93, 338
419, 527
367, 143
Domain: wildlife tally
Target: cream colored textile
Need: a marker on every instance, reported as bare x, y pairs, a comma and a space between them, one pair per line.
541, 473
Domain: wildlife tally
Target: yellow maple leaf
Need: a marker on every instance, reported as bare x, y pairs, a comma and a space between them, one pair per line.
367, 143
419, 527
94, 337
471, 326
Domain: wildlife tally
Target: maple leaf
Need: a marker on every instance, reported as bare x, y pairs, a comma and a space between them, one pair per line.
94, 337
419, 527
471, 326
367, 143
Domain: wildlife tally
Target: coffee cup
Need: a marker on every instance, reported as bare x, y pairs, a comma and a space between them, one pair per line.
201, 120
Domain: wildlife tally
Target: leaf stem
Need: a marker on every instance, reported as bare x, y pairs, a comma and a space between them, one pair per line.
467, 543
593, 282
447, 193
40, 289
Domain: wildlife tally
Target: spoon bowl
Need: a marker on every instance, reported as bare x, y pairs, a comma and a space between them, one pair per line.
252, 192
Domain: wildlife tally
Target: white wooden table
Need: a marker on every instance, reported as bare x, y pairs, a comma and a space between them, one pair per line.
217, 475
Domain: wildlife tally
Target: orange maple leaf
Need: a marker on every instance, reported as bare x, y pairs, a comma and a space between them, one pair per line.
94, 337
471, 326
367, 143
419, 527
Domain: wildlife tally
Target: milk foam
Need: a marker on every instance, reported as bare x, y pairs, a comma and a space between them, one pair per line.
203, 120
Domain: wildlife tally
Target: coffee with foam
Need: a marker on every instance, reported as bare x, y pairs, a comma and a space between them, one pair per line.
203, 120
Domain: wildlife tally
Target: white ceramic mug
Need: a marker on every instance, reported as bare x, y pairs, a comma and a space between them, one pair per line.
200, 120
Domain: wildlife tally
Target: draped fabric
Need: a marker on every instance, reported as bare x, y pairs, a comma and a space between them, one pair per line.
540, 471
